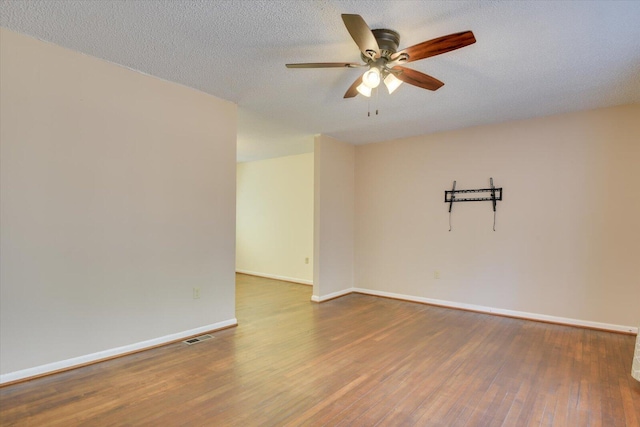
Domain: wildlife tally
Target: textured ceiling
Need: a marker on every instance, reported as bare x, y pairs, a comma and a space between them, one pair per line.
532, 58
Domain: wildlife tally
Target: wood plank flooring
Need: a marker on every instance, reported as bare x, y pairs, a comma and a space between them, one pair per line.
353, 361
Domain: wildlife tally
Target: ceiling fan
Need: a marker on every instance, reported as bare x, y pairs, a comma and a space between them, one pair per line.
379, 51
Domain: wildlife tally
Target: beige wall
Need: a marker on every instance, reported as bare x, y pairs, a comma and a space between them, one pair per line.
118, 197
567, 239
274, 214
334, 218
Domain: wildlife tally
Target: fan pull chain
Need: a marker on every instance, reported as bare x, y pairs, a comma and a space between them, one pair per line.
449, 220
494, 220
369, 103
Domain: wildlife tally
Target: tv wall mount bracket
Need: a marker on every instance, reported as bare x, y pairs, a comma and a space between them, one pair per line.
493, 195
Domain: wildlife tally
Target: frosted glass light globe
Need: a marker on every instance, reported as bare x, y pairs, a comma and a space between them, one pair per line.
364, 90
371, 78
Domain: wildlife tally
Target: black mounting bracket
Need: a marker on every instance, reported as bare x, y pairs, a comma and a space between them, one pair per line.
495, 195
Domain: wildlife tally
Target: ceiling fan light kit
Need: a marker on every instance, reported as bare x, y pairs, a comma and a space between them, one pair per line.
379, 52
368, 83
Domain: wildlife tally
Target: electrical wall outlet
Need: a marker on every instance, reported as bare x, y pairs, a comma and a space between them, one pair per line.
306, 260
196, 293
436, 274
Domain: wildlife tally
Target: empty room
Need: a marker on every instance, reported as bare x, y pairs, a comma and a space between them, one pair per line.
323, 213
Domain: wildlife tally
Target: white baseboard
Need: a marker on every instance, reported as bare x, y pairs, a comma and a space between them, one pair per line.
107, 354
503, 312
332, 295
275, 276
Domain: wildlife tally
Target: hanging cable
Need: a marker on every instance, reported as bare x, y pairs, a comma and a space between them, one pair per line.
451, 199
494, 220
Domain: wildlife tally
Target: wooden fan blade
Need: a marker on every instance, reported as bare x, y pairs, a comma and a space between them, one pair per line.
417, 78
362, 35
437, 46
353, 91
326, 65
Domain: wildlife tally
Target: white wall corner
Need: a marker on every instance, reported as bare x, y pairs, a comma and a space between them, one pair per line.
333, 295
334, 217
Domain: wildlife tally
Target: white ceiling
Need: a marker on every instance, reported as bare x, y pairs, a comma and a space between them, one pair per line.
532, 58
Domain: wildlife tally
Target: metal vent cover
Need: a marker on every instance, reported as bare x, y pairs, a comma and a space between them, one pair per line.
196, 340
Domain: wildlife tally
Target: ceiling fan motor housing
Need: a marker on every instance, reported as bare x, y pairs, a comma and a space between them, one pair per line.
388, 41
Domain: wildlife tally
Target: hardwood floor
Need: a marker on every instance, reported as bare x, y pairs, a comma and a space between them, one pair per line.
353, 361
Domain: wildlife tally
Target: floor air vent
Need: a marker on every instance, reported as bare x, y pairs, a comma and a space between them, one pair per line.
196, 340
